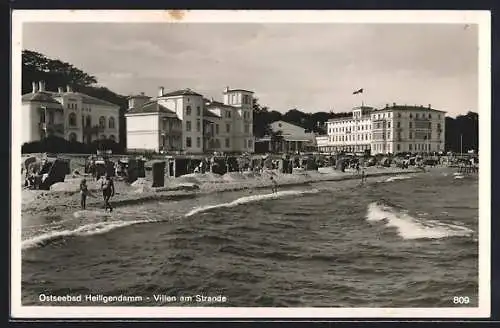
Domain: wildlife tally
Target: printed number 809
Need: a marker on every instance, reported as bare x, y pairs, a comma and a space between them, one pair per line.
461, 300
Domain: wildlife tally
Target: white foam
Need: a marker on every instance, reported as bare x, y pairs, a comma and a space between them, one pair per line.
410, 228
90, 213
458, 177
397, 178
85, 230
251, 199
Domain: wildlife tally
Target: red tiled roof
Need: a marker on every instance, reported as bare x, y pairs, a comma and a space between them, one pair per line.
41, 96
152, 107
185, 92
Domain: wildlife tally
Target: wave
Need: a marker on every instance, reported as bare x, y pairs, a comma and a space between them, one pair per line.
85, 230
251, 199
458, 177
411, 228
390, 179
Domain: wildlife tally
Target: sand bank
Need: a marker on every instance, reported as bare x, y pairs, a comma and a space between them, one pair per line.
65, 195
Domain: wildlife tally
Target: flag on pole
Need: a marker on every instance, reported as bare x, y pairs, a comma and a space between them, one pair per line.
358, 91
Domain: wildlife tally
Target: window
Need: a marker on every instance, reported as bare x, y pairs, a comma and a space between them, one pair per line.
188, 110
416, 115
411, 115
72, 137
439, 126
228, 128
430, 116
111, 123
89, 121
410, 136
216, 128
188, 126
410, 125
198, 142
227, 143
439, 116
228, 114
188, 142
247, 128
399, 125
198, 126
389, 124
72, 119
388, 135
399, 115
398, 147
198, 110
102, 122
410, 146
250, 143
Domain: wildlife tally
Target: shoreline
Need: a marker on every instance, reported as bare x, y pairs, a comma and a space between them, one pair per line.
46, 202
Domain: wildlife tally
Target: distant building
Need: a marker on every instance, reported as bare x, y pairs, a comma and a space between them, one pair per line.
74, 116
185, 121
392, 129
286, 138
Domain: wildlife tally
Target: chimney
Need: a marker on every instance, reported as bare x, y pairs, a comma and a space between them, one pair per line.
60, 89
394, 104
41, 86
211, 99
160, 91
429, 105
226, 89
68, 88
142, 93
386, 105
34, 87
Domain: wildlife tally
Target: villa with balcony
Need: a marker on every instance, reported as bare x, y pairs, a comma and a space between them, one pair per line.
185, 121
71, 115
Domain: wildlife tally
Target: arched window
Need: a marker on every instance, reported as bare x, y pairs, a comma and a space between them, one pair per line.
103, 137
102, 122
72, 119
111, 123
112, 137
72, 137
89, 120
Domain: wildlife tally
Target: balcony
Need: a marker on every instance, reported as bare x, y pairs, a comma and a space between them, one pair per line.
52, 127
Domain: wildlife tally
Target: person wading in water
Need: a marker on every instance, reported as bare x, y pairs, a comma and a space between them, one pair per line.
108, 191
84, 192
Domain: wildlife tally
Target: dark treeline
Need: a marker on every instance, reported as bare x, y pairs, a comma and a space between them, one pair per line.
56, 73
464, 127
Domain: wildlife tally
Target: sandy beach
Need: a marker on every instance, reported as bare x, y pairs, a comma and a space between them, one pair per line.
64, 196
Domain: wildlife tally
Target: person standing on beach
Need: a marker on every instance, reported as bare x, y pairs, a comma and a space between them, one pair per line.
108, 191
274, 186
84, 192
363, 176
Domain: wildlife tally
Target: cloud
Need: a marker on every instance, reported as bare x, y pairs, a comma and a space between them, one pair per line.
307, 66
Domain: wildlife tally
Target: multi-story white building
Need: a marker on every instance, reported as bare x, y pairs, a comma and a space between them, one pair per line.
74, 116
185, 121
393, 129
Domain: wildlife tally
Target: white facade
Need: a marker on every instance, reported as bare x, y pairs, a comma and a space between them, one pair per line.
184, 120
71, 115
395, 129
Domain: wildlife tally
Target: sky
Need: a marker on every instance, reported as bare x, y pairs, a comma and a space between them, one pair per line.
311, 67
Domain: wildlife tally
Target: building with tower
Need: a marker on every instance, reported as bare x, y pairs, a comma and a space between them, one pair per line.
185, 121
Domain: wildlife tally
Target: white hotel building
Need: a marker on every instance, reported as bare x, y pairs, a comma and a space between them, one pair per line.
393, 129
74, 116
185, 121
